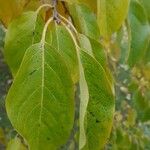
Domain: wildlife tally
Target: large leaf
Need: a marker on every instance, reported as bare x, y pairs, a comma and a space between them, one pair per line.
63, 42
22, 32
100, 107
40, 102
140, 32
110, 15
85, 20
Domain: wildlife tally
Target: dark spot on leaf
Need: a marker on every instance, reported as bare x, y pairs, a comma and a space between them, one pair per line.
62, 147
97, 121
48, 138
32, 72
92, 114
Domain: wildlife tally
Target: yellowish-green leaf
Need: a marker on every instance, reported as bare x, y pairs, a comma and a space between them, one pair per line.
100, 107
16, 144
85, 20
111, 15
64, 44
147, 54
95, 49
40, 102
142, 106
2, 137
10, 9
91, 4
146, 5
21, 33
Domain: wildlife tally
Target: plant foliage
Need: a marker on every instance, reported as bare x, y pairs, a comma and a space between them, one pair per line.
68, 60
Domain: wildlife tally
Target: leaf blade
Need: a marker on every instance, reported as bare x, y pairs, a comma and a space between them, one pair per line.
100, 109
85, 20
64, 44
111, 15
140, 31
22, 32
36, 89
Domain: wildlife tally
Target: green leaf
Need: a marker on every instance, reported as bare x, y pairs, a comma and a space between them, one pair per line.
64, 44
16, 144
22, 32
85, 20
85, 43
147, 54
100, 108
146, 5
95, 49
40, 102
142, 106
140, 32
111, 15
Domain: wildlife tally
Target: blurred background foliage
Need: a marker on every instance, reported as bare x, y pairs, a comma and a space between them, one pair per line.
129, 58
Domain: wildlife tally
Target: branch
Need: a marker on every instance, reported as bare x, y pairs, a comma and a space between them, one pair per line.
55, 13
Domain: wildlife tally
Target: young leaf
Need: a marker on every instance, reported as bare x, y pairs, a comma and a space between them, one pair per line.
63, 42
22, 32
140, 32
100, 108
85, 20
40, 102
110, 15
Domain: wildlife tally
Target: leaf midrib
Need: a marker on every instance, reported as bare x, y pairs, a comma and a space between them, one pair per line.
42, 92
